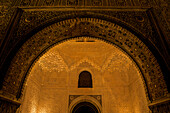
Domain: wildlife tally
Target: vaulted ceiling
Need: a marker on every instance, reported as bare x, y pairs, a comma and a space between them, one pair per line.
70, 54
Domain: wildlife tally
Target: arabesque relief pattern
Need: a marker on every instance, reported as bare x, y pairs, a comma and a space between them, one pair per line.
90, 27
32, 19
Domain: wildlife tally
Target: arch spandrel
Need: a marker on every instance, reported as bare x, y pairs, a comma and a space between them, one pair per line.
100, 29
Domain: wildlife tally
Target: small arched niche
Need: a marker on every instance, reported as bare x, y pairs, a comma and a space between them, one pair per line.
85, 80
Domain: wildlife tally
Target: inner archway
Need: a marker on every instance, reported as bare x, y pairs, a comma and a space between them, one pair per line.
85, 107
54, 76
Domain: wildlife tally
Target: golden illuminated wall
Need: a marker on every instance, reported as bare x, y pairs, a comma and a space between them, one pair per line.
33, 90
55, 76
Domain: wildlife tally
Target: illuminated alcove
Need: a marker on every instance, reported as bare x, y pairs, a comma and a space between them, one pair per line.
55, 76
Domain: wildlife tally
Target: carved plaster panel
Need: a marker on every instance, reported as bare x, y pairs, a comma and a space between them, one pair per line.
32, 19
52, 61
116, 61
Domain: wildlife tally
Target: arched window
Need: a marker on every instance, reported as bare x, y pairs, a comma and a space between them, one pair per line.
85, 80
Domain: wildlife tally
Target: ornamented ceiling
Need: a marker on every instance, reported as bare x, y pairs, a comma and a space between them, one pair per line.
69, 55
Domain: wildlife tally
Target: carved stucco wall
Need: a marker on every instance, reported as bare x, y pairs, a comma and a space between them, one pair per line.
55, 76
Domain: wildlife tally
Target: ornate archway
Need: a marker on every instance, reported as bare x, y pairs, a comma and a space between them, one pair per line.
100, 29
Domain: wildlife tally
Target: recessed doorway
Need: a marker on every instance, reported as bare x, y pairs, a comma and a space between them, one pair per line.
85, 107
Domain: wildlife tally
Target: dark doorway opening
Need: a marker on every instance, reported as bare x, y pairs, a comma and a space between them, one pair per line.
85, 107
